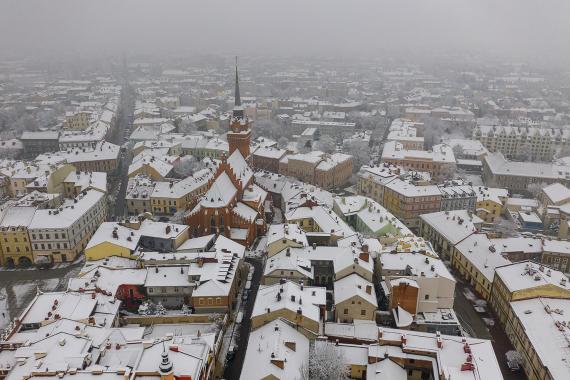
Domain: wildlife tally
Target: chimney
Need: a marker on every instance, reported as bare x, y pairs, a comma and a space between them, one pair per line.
369, 289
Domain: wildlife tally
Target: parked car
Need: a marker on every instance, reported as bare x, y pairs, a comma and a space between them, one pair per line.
231, 352
239, 317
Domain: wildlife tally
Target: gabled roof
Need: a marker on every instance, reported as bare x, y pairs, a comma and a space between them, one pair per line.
220, 193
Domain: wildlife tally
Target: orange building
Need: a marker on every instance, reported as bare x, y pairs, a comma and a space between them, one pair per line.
233, 205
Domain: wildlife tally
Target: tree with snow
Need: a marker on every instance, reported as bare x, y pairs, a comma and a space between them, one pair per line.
525, 152
535, 188
458, 151
325, 362
187, 166
282, 142
326, 144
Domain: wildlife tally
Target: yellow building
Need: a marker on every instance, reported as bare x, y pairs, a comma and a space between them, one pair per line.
15, 247
354, 298
168, 198
77, 121
282, 236
302, 305
475, 259
525, 280
152, 167
112, 239
490, 202
539, 332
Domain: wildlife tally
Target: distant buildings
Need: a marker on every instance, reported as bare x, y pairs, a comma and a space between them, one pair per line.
439, 162
318, 168
517, 176
39, 142
529, 143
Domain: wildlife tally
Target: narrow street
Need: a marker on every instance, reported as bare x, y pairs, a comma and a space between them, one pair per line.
233, 368
475, 326
122, 131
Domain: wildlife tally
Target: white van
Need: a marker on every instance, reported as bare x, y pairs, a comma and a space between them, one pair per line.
248, 285
239, 317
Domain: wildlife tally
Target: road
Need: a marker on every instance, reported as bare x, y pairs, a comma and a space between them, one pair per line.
120, 135
233, 369
474, 325
18, 287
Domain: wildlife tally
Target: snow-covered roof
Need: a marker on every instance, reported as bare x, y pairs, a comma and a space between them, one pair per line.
290, 232
556, 192
107, 279
354, 285
74, 306
160, 276
525, 275
69, 213
240, 168
480, 251
454, 225
290, 294
544, 322
289, 261
323, 217
114, 233
276, 341
416, 264
17, 217
220, 193
88, 180
394, 150
494, 194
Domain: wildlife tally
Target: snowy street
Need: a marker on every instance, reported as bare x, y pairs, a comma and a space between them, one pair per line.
18, 287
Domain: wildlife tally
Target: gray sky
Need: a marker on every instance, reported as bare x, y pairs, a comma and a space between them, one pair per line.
538, 30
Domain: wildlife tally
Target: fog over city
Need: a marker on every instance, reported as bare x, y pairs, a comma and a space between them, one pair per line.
284, 189
521, 29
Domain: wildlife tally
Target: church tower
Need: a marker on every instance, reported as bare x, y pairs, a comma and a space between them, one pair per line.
239, 135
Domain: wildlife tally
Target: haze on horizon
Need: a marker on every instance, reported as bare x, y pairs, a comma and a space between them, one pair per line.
527, 30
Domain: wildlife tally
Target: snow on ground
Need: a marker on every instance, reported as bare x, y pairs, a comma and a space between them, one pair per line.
22, 292
4, 315
469, 295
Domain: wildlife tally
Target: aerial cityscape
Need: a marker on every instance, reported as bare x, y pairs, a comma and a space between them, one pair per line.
213, 191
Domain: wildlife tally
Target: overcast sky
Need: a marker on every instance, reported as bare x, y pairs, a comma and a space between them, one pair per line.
533, 29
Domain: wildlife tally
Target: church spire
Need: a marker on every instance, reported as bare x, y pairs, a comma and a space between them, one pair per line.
238, 98
238, 109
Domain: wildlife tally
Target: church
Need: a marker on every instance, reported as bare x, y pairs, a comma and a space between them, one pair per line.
233, 205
